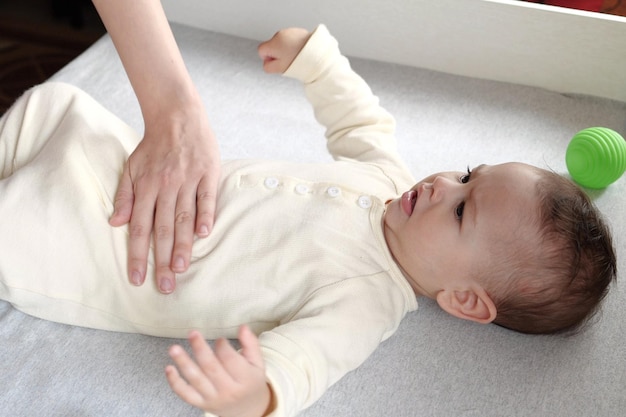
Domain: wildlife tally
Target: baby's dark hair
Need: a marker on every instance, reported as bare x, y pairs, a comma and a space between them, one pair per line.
558, 285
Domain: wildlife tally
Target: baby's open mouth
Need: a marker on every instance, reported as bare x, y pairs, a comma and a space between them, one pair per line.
407, 201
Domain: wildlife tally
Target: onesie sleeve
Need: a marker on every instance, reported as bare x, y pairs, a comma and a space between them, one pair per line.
331, 334
357, 127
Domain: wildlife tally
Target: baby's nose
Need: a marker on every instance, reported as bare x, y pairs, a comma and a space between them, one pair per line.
441, 186
442, 181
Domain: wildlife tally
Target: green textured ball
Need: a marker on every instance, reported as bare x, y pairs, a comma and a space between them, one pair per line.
596, 157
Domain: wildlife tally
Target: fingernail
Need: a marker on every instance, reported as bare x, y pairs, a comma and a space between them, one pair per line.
135, 278
179, 264
204, 230
166, 286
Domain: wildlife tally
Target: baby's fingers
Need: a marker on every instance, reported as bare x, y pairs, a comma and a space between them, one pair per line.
189, 381
181, 388
279, 52
271, 61
250, 348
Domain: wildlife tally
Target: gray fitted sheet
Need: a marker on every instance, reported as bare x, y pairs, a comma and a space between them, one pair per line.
434, 365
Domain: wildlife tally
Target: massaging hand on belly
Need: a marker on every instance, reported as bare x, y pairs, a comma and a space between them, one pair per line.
168, 189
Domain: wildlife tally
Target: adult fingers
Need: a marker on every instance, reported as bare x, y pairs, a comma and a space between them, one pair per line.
184, 222
139, 234
127, 211
206, 200
124, 197
164, 232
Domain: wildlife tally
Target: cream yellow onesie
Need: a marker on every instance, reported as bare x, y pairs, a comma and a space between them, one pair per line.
297, 251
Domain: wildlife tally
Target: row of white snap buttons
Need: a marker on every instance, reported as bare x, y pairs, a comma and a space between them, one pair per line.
333, 191
301, 189
271, 182
363, 201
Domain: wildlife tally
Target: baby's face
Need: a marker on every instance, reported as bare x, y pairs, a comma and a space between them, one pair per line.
449, 221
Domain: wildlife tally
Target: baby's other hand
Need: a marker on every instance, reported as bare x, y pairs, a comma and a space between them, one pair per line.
221, 381
280, 51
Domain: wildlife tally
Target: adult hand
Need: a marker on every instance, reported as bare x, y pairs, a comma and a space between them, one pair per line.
168, 191
279, 52
221, 381
169, 184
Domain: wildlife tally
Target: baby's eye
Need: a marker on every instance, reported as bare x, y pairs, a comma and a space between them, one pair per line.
458, 211
466, 177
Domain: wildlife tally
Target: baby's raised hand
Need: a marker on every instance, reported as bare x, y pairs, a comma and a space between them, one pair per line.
221, 381
280, 51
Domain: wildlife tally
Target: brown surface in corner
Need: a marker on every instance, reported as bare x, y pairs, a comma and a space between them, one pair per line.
616, 7
23, 65
36, 41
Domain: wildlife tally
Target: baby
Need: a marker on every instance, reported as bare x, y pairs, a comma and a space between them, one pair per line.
311, 266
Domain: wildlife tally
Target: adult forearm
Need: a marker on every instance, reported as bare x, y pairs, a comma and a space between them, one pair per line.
145, 43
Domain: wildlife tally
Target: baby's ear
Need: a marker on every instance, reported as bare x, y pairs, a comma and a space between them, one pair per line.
471, 304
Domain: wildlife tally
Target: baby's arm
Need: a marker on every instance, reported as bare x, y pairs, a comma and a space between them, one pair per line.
222, 381
357, 127
279, 52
